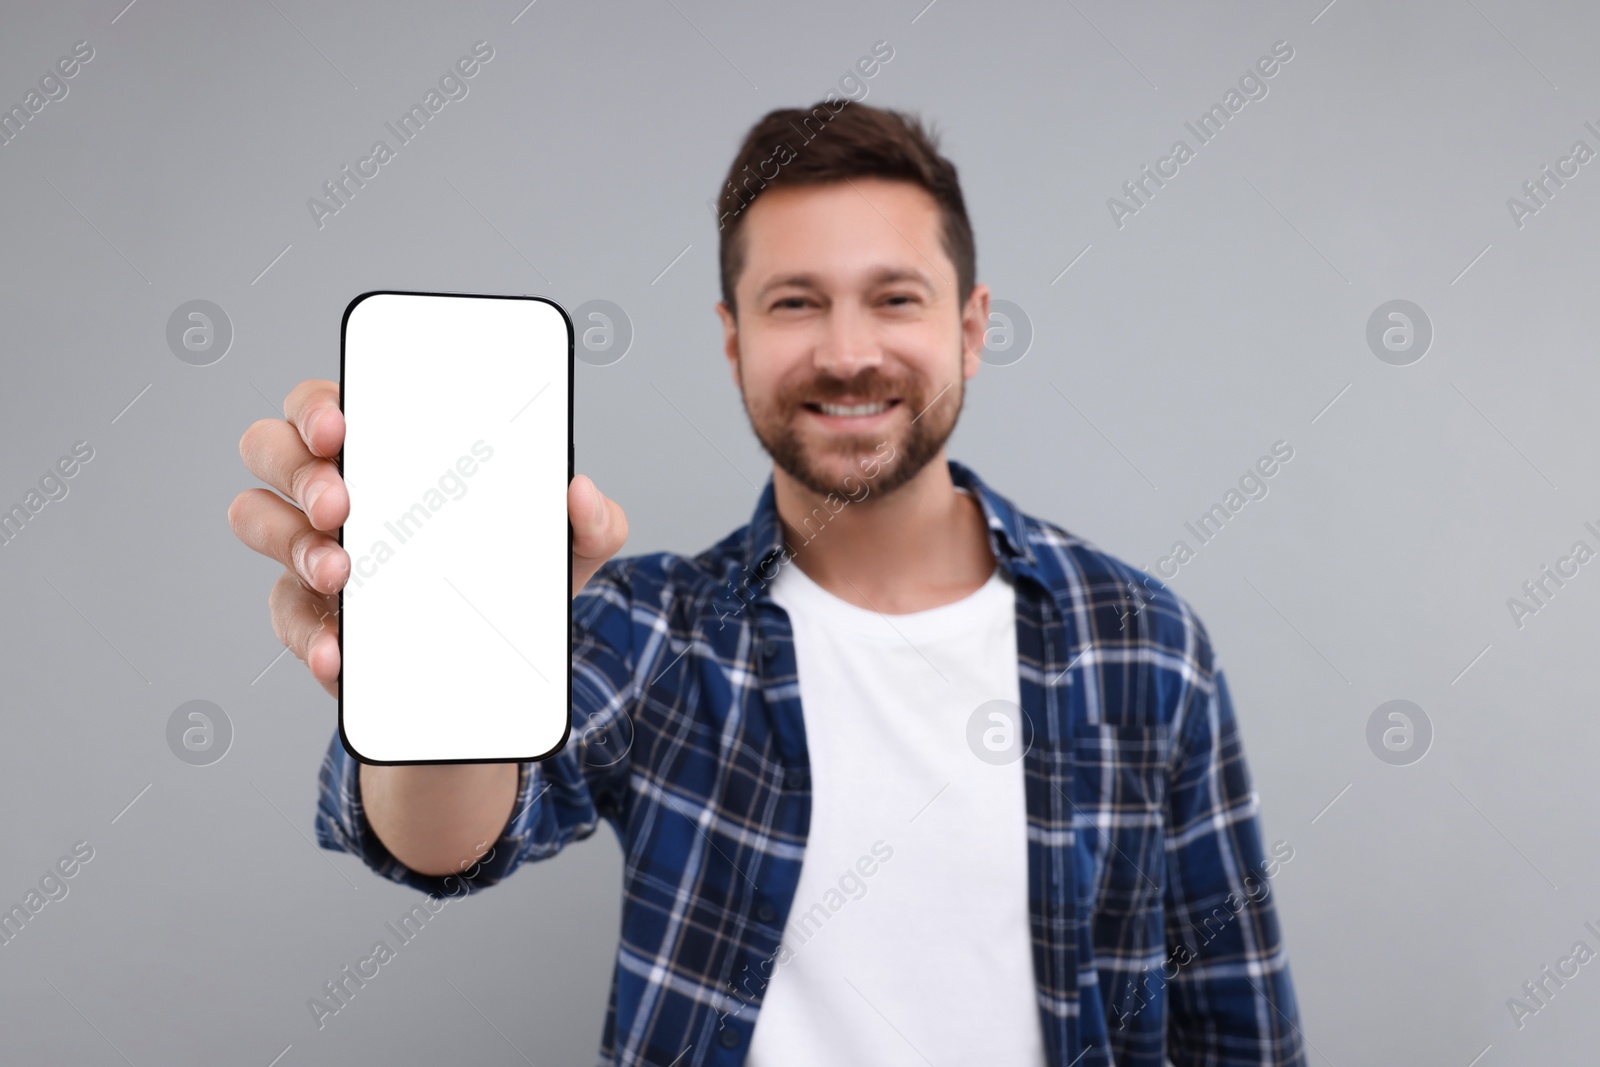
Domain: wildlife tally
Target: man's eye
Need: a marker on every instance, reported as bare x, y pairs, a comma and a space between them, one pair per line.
790, 302
900, 299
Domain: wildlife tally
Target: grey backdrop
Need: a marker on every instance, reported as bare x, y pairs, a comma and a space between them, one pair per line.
1229, 312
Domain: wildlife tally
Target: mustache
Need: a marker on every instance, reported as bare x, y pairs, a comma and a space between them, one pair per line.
868, 386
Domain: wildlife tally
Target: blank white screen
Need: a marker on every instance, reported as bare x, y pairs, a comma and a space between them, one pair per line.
455, 620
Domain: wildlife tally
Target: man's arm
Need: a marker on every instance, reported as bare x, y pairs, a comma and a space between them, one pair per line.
552, 803
421, 822
1232, 1001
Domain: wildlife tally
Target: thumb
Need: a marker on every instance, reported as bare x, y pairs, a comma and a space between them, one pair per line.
599, 529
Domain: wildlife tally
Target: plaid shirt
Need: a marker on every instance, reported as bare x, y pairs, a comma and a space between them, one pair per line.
688, 739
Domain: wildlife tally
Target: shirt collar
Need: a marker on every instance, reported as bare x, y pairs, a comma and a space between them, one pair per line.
1007, 533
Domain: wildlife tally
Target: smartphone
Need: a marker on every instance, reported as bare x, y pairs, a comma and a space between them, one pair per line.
455, 626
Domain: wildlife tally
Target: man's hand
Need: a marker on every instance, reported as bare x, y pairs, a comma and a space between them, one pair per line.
295, 455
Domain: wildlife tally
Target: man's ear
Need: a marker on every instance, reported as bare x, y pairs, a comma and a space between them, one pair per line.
730, 341
974, 325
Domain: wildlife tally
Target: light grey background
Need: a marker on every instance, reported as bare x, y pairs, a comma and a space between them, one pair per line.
1225, 315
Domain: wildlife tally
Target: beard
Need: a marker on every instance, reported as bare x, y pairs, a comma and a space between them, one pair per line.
839, 461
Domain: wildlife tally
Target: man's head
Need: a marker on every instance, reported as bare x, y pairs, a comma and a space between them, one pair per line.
848, 272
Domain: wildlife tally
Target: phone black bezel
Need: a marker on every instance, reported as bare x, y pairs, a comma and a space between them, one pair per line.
571, 456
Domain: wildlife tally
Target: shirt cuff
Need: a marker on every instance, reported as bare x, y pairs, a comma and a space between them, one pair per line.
342, 826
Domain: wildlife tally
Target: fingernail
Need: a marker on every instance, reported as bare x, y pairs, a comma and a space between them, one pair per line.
314, 557
311, 424
599, 503
313, 491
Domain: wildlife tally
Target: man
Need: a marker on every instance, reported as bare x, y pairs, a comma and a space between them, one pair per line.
901, 774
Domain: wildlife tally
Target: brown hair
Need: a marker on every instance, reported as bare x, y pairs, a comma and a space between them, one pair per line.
829, 142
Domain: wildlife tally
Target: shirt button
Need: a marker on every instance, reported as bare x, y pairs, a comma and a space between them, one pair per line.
797, 778
766, 912
768, 650
729, 1039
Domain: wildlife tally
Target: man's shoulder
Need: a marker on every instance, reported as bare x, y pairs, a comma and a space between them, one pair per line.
1082, 578
661, 578
1118, 598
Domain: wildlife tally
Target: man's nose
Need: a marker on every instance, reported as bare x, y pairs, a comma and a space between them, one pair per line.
849, 343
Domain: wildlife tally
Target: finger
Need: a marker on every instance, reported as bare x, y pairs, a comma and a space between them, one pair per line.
273, 527
308, 625
599, 528
312, 408
274, 451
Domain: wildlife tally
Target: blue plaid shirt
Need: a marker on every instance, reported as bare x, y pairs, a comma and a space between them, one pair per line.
1153, 927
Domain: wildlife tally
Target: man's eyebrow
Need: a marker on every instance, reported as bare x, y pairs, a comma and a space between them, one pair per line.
888, 275
803, 281
881, 276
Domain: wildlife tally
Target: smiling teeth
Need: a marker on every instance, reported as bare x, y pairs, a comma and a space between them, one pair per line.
855, 410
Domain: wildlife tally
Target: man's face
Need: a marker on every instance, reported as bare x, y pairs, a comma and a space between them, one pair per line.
850, 344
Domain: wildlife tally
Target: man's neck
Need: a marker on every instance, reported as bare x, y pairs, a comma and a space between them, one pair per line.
919, 547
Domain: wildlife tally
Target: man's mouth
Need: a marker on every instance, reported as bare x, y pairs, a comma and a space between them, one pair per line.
853, 411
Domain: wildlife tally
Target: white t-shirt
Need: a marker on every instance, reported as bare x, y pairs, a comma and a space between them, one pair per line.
909, 934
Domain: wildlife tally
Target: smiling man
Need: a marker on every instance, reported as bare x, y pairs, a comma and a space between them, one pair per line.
901, 774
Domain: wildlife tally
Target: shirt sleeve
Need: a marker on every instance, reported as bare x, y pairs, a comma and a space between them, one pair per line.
1232, 1000
560, 799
